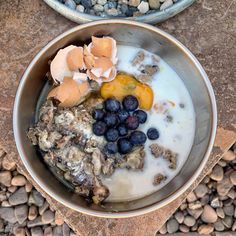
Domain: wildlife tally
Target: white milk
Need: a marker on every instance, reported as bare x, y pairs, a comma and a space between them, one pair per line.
176, 135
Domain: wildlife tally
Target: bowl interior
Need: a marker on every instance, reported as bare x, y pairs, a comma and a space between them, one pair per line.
134, 34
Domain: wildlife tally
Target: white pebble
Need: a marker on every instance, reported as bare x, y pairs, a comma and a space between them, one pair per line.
143, 7
102, 2
80, 8
166, 4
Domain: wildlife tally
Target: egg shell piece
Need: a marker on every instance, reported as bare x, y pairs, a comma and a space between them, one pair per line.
89, 58
80, 77
104, 63
58, 67
75, 59
102, 47
67, 93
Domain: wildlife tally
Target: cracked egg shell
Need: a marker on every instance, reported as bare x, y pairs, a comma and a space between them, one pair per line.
75, 59
69, 93
89, 58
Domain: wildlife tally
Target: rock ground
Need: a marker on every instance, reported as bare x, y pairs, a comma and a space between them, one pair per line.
210, 208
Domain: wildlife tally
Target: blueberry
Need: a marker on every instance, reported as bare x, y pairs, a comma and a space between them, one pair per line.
111, 135
132, 122
99, 128
86, 3
142, 116
124, 145
138, 137
122, 130
111, 119
98, 114
112, 105
130, 103
111, 148
122, 114
153, 133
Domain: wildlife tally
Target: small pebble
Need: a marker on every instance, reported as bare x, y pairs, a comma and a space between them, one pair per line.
172, 226
8, 165
163, 229
191, 197
7, 213
58, 219
205, 229
189, 221
5, 178
219, 226
36, 231
33, 212
208, 215
18, 180
166, 4
48, 217
80, 8
201, 190
101, 2
18, 197
179, 216
224, 186
98, 8
71, 4
154, 4
217, 173
233, 177
184, 228
229, 156
134, 3
143, 7
112, 12
21, 213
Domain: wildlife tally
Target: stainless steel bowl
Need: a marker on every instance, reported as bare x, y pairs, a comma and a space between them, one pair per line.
153, 40
152, 18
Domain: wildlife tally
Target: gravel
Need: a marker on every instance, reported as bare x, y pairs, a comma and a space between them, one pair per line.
125, 8
211, 207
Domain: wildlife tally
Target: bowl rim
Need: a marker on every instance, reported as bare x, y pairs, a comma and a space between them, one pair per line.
154, 17
143, 210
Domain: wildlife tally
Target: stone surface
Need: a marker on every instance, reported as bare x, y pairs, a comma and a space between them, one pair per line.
18, 197
201, 190
21, 213
18, 180
48, 217
7, 213
217, 173
172, 226
224, 186
25, 30
33, 212
208, 215
5, 178
205, 229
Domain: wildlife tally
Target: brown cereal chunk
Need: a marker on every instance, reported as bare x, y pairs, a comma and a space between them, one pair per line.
138, 58
158, 151
158, 179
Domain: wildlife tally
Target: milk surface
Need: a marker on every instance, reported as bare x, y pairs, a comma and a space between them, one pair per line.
176, 134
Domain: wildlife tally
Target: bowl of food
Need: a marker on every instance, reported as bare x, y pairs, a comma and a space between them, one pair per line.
114, 118
151, 11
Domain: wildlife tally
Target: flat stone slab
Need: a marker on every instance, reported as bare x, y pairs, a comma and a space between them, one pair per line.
207, 28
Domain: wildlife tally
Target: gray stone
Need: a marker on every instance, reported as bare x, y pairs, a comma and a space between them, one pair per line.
2, 196
7, 214
217, 173
33, 212
71, 4
43, 208
57, 231
172, 226
191, 197
219, 226
233, 177
48, 217
229, 156
18, 180
184, 228
201, 190
154, 4
28, 187
232, 194
5, 178
228, 221
98, 8
189, 221
65, 230
179, 216
36, 222
21, 213
220, 213
18, 197
195, 213
208, 215
36, 231
80, 8
229, 210
143, 7
215, 203
224, 186
101, 2
112, 12
205, 200
166, 4
36, 198
48, 231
